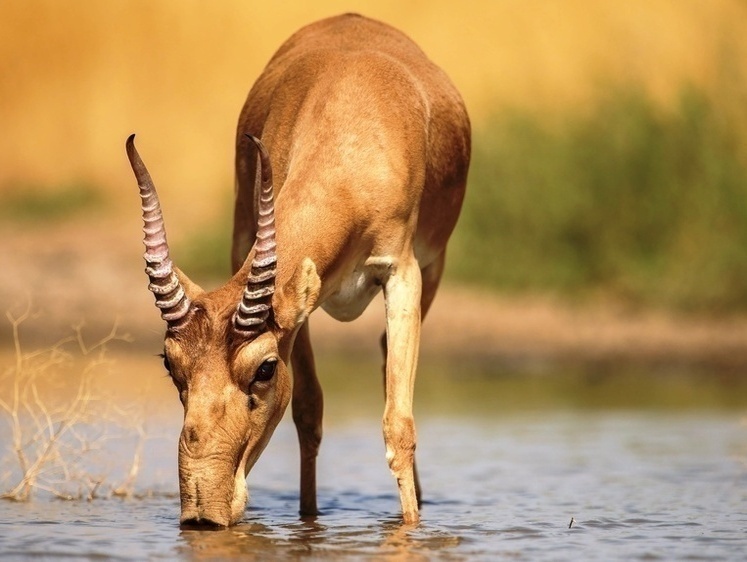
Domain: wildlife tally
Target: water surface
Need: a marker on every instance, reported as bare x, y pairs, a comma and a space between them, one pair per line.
500, 481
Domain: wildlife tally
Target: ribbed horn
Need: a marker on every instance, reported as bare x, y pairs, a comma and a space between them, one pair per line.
164, 283
256, 302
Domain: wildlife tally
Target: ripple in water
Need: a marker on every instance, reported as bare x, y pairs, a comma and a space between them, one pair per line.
638, 486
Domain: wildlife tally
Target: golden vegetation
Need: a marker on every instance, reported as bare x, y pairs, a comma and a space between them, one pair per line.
77, 77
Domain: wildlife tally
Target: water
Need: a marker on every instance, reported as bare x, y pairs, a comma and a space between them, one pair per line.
500, 483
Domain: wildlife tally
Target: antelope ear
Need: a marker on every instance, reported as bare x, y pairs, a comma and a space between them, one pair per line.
300, 295
191, 289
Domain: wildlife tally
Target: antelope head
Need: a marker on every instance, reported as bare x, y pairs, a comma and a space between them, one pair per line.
227, 352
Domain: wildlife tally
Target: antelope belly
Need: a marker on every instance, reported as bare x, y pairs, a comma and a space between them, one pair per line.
358, 289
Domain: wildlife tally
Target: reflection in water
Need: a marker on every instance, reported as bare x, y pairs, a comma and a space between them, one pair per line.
243, 540
406, 540
386, 540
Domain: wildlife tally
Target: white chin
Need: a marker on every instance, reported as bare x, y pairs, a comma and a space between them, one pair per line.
238, 503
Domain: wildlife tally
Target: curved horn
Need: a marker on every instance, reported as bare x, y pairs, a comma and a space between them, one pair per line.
256, 302
164, 283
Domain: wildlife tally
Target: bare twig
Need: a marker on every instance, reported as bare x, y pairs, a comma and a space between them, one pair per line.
52, 439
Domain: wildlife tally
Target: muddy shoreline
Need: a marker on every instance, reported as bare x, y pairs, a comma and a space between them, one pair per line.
92, 275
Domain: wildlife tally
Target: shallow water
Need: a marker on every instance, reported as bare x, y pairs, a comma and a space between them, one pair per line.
639, 483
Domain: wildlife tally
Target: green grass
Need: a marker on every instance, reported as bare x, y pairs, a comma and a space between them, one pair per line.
627, 199
35, 204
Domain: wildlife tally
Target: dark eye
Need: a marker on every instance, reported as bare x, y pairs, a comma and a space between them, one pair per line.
166, 364
177, 382
266, 370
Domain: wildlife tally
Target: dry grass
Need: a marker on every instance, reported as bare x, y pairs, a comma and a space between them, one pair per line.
77, 77
59, 424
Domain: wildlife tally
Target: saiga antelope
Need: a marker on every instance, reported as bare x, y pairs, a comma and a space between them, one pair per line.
358, 189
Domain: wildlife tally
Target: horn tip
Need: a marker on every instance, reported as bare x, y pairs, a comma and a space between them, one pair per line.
130, 148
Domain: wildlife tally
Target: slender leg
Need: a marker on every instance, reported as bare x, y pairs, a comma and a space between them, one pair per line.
431, 277
402, 292
307, 404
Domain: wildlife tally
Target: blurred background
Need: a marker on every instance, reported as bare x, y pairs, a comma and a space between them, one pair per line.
609, 176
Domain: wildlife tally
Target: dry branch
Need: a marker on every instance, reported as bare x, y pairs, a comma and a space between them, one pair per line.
57, 420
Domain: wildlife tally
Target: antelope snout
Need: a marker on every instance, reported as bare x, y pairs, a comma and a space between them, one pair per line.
212, 484
211, 500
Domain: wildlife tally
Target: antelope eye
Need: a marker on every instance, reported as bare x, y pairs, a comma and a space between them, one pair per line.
166, 363
266, 370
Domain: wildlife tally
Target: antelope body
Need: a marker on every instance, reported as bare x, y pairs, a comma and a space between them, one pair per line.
361, 175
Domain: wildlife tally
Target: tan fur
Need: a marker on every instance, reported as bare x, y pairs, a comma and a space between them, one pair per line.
370, 145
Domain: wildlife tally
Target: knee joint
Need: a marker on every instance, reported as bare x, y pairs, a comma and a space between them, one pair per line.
400, 439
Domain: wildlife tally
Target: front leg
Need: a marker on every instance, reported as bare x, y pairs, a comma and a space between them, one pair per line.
430, 279
307, 407
402, 292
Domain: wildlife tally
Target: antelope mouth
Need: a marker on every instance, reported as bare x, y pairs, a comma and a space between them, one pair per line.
207, 518
201, 524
